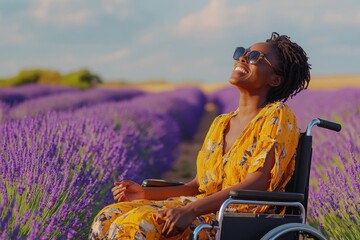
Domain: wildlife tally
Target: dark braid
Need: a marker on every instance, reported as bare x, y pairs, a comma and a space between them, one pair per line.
293, 66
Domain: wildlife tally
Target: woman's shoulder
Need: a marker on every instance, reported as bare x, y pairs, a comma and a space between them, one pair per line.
223, 117
277, 109
226, 115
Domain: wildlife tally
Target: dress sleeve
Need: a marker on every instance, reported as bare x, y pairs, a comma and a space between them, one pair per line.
279, 131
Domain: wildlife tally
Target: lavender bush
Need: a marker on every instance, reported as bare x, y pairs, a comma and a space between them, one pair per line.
4, 112
226, 99
57, 168
70, 101
157, 134
51, 168
15, 95
334, 205
185, 105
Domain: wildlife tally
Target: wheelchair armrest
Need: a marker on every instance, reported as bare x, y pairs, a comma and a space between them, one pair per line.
266, 196
160, 183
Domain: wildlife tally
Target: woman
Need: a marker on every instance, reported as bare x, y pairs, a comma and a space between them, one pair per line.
250, 148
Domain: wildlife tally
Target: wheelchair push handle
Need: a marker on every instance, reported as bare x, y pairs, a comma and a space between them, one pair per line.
323, 124
329, 125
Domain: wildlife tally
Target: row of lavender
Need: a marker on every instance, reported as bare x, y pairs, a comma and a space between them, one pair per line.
334, 205
16, 95
31, 100
57, 167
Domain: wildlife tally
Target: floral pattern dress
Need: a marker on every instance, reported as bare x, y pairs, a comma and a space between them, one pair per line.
273, 127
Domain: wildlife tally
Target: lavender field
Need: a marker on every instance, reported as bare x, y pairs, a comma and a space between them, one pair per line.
60, 152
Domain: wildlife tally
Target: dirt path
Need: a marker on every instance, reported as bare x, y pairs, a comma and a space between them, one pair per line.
185, 167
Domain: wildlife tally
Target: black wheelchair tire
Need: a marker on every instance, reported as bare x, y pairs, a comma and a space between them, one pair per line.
293, 227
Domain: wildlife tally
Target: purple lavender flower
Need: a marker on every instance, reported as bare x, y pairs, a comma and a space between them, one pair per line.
63, 164
70, 101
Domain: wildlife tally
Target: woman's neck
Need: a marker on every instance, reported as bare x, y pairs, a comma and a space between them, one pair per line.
250, 105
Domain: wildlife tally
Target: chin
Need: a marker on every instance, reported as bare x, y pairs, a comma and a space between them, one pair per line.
236, 81
232, 82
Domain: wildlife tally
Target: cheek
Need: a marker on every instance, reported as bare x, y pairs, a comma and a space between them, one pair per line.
261, 71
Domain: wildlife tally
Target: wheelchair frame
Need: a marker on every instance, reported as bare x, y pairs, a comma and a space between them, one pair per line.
269, 226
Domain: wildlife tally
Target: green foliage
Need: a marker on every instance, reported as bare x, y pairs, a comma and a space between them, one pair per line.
81, 79
27, 76
5, 83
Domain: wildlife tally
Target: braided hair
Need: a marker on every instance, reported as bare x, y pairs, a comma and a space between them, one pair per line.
293, 66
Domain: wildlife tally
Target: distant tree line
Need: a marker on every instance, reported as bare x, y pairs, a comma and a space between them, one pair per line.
82, 78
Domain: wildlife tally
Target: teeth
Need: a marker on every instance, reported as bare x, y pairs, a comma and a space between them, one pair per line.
240, 69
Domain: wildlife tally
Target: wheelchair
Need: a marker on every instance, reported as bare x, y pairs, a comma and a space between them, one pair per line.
289, 224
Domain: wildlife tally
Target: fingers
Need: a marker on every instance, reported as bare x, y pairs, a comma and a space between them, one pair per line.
123, 188
159, 216
165, 228
121, 197
119, 193
117, 183
126, 183
169, 229
118, 189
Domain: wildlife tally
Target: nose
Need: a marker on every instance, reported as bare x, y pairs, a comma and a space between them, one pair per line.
243, 58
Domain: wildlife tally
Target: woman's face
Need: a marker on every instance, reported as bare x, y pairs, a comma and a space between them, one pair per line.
260, 75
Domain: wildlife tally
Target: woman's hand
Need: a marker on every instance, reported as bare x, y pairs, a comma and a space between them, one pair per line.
127, 191
175, 220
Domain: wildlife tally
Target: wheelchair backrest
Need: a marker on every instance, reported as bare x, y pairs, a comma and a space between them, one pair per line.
299, 182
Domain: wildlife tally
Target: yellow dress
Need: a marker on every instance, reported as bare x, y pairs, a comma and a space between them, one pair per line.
274, 126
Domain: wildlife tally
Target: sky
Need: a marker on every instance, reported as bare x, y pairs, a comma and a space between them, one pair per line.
172, 40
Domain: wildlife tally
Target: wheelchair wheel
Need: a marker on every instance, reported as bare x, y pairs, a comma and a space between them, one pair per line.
305, 230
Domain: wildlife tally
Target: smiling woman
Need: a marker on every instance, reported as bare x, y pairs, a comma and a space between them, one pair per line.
252, 147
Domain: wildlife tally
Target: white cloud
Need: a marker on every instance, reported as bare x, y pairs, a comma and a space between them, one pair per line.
114, 56
219, 16
117, 7
145, 31
64, 12
215, 16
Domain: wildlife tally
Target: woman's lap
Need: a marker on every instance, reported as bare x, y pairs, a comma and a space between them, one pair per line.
134, 220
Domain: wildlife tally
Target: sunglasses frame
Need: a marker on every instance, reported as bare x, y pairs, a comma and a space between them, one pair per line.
251, 61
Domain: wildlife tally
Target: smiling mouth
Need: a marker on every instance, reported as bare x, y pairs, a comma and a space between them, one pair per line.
241, 69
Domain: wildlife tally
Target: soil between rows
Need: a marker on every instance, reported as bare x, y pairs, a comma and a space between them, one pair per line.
184, 169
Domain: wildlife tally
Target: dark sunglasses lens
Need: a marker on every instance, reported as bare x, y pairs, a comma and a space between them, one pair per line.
239, 51
253, 57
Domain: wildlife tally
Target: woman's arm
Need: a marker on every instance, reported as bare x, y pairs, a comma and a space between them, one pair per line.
129, 190
258, 180
160, 193
177, 219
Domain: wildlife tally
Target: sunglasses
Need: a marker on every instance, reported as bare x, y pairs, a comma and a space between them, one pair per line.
252, 56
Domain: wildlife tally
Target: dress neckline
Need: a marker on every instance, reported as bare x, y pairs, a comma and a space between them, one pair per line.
226, 125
